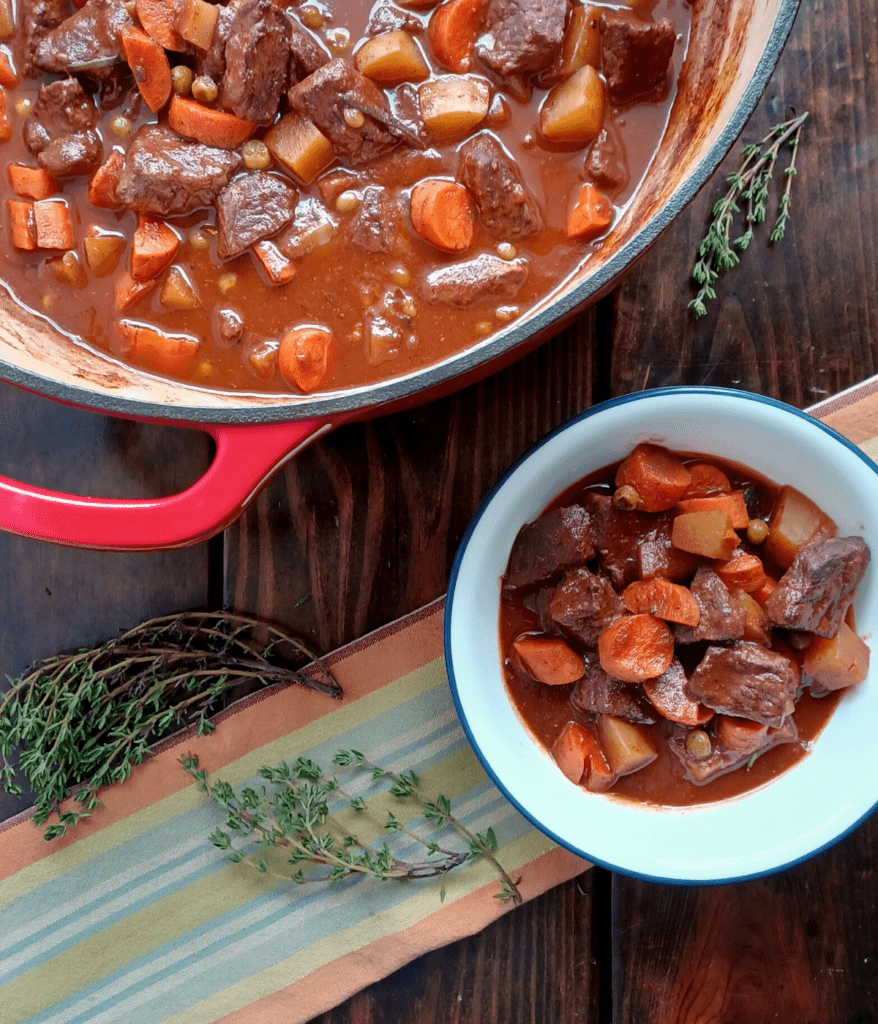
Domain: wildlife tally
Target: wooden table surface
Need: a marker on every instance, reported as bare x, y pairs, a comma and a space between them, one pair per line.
366, 522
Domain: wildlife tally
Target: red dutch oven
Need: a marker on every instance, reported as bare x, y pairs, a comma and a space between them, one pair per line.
734, 47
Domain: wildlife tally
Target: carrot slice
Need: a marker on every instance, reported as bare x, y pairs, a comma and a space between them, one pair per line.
443, 214
665, 600
279, 268
32, 182
762, 593
591, 215
5, 126
549, 659
105, 181
212, 127
452, 31
577, 754
733, 504
167, 353
636, 647
153, 248
22, 228
8, 77
52, 222
741, 570
706, 480
149, 65
657, 475
304, 356
159, 18
129, 292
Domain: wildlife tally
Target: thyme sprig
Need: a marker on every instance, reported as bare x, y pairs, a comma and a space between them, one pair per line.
84, 720
293, 813
748, 187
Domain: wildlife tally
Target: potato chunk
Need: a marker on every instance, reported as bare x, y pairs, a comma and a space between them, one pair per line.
582, 41
795, 520
297, 143
709, 534
178, 292
840, 661
626, 746
102, 253
574, 110
196, 22
452, 106
391, 58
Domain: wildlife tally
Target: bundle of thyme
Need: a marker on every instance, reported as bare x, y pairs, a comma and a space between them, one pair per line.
83, 720
292, 815
748, 187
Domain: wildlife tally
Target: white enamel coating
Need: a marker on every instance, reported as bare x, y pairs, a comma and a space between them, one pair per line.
825, 795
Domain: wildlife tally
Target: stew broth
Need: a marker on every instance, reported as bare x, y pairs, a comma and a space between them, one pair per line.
371, 302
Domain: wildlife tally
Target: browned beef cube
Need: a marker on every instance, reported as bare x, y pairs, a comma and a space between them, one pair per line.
584, 605
306, 53
598, 693
669, 696
485, 277
257, 57
548, 547
635, 54
254, 206
619, 537
523, 36
327, 92
816, 591
88, 36
703, 769
606, 163
61, 130
657, 557
36, 19
722, 618
375, 225
506, 209
168, 176
746, 680
386, 17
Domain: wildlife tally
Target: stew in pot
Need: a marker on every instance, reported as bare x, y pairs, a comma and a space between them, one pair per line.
678, 629
260, 197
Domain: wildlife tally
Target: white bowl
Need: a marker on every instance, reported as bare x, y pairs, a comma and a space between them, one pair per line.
825, 795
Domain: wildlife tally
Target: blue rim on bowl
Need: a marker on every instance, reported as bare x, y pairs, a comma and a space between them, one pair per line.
563, 811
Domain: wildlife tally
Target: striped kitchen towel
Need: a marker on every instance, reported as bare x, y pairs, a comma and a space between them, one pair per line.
134, 916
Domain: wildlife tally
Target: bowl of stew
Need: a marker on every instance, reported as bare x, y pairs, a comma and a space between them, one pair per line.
248, 213
658, 634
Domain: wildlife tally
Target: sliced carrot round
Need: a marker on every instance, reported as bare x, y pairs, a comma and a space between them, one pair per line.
443, 214
304, 357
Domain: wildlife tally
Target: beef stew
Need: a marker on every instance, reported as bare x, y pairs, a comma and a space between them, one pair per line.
202, 165
677, 629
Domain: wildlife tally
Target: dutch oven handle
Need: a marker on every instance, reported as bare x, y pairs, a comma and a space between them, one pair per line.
246, 456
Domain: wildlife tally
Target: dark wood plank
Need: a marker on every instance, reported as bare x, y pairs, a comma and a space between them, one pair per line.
56, 598
798, 947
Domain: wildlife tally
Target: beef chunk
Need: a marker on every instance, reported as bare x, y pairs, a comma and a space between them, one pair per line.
549, 546
385, 17
667, 693
746, 680
169, 176
606, 163
60, 132
212, 62
228, 327
703, 769
619, 536
635, 54
484, 277
523, 36
722, 618
406, 167
816, 591
36, 19
324, 95
311, 227
90, 35
375, 225
505, 207
254, 206
584, 604
257, 56
306, 53
598, 693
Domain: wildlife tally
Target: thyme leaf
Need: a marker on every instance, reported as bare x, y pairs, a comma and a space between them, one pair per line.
749, 187
298, 821
82, 721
